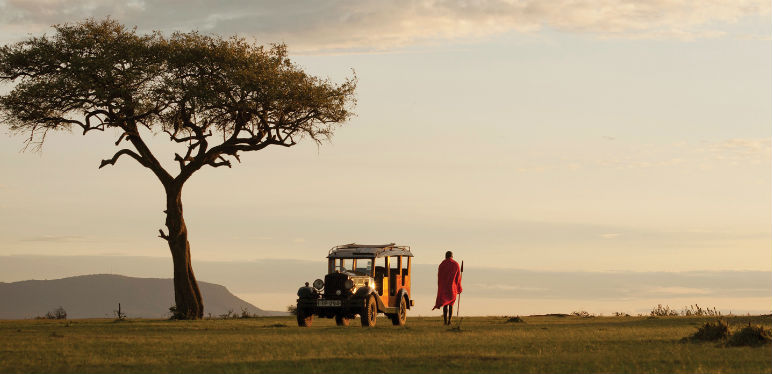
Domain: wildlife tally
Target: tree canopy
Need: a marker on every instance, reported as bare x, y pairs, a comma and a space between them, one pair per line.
219, 96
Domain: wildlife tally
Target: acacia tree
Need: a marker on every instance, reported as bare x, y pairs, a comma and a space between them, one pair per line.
213, 97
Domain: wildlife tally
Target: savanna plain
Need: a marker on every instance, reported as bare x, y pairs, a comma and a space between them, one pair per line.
535, 344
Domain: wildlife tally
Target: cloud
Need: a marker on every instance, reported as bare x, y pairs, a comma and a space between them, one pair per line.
373, 25
55, 238
754, 151
609, 236
678, 291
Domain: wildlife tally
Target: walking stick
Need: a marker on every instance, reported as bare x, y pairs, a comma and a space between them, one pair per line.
458, 309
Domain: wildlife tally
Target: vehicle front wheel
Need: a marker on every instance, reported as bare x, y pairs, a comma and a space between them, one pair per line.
341, 320
400, 318
369, 313
305, 317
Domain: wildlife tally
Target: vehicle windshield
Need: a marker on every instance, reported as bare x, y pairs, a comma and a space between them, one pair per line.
341, 265
363, 266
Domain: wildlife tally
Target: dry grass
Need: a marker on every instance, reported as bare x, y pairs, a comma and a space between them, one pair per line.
544, 344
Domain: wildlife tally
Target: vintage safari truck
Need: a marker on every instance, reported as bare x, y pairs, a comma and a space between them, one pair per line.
361, 280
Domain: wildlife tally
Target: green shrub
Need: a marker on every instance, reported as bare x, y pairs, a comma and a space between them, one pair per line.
583, 314
718, 330
753, 336
515, 319
174, 313
58, 313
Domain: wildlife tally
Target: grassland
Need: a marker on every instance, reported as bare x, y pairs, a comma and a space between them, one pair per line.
546, 344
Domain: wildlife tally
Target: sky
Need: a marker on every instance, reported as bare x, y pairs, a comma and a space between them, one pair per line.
592, 136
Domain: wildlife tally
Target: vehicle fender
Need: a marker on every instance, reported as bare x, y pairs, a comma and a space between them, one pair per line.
307, 293
403, 293
364, 292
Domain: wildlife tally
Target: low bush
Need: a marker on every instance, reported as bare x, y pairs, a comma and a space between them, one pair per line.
718, 330
583, 314
753, 336
515, 319
58, 313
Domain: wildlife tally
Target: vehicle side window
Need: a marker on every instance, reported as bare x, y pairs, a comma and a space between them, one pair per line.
380, 267
394, 265
363, 266
393, 274
405, 269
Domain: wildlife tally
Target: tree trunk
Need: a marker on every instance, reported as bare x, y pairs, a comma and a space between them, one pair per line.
187, 296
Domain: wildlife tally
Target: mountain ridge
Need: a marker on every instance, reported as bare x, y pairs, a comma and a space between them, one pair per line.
98, 295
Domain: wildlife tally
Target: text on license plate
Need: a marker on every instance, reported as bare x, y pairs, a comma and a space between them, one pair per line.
328, 303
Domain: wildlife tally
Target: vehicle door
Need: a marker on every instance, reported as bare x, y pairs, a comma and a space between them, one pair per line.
395, 279
381, 276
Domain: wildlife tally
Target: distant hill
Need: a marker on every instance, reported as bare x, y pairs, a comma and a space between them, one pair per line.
97, 296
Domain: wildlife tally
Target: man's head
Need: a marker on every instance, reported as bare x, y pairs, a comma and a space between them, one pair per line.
448, 254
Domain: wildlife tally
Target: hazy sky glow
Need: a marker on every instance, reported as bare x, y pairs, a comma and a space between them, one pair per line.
545, 135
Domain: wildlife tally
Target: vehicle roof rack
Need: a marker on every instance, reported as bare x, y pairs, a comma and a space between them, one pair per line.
354, 250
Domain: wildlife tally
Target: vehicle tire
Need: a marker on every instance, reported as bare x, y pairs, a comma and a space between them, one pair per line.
305, 317
370, 312
341, 320
400, 318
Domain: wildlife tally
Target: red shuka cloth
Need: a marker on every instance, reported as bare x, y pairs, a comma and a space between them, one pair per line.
448, 283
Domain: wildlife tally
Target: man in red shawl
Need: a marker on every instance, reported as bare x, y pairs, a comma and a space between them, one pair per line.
448, 286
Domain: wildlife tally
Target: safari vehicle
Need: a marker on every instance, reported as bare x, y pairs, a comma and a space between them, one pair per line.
361, 280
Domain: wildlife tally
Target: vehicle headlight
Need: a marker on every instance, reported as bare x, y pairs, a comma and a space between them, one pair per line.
349, 284
318, 284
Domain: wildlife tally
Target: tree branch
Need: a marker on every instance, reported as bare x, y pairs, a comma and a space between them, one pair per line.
123, 136
196, 136
120, 153
220, 161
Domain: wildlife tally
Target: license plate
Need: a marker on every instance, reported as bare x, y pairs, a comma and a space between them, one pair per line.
328, 303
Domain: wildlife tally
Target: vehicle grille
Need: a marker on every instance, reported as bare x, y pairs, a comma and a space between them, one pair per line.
334, 282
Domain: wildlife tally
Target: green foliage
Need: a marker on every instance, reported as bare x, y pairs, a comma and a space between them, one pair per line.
98, 75
175, 314
58, 313
292, 309
717, 330
515, 319
582, 313
751, 335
